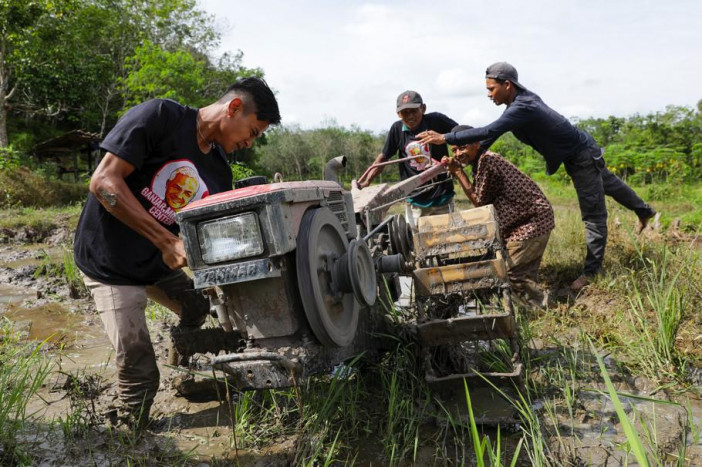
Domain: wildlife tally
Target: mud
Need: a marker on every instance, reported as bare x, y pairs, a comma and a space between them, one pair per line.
198, 426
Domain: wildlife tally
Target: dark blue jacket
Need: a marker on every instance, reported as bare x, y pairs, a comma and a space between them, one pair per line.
536, 124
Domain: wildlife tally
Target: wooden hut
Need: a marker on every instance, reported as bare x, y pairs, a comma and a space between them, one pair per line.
69, 150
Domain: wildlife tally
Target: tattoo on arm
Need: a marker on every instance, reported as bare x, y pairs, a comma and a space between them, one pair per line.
109, 198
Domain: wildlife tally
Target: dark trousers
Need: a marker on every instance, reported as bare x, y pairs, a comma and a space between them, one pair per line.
592, 182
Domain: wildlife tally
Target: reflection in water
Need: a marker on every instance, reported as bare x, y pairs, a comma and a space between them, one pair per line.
50, 322
10, 294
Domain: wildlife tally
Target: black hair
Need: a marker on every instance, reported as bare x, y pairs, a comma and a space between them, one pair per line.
461, 128
265, 103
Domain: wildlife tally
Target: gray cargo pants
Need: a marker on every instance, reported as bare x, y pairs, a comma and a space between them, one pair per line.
523, 261
592, 182
121, 308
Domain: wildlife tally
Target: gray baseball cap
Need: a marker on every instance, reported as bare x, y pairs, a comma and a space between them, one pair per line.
503, 71
409, 100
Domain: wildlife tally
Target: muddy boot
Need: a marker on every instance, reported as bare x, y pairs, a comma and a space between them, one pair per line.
580, 283
131, 418
175, 358
195, 308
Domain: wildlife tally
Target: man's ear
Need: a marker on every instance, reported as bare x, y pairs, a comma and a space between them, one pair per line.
235, 105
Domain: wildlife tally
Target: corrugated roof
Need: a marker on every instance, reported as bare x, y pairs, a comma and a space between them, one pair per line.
67, 142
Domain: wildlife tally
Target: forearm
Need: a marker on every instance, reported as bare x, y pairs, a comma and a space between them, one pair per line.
514, 117
374, 171
462, 178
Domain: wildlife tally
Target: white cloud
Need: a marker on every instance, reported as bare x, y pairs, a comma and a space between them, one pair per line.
349, 61
459, 82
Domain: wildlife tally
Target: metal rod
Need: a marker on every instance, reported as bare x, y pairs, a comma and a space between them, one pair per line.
252, 356
378, 227
396, 161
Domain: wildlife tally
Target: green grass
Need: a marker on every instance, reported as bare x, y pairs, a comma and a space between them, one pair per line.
658, 302
23, 370
21, 187
641, 310
41, 219
634, 441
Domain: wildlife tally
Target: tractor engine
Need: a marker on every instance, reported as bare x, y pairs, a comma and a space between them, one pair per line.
286, 277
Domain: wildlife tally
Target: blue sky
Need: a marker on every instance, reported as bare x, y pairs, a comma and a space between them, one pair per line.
348, 61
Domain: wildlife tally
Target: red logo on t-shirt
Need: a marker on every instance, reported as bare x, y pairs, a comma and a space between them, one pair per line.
172, 188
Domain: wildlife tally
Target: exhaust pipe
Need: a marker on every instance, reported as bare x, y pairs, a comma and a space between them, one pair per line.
333, 168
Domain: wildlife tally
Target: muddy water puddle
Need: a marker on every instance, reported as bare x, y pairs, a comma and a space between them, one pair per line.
51, 323
30, 255
10, 294
79, 343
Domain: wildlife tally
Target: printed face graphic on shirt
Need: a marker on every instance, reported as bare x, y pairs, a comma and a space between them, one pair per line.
422, 154
181, 187
173, 187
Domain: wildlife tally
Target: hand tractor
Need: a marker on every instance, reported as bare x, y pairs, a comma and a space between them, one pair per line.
302, 277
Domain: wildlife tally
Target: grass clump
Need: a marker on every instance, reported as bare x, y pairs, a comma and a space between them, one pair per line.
38, 223
22, 187
657, 306
23, 370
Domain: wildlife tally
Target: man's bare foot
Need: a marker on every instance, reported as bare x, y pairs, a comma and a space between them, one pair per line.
579, 283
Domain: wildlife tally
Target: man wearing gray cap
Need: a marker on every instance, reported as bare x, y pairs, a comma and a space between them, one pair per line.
559, 142
402, 140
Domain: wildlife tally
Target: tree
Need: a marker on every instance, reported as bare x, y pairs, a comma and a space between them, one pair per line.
20, 22
153, 72
80, 63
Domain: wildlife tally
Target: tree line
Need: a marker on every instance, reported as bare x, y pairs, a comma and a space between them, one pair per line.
658, 146
67, 64
79, 64
664, 145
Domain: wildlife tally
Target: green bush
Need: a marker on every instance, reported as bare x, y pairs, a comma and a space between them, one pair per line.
240, 171
21, 187
9, 158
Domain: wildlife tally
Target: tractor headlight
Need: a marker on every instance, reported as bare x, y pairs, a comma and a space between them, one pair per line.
230, 238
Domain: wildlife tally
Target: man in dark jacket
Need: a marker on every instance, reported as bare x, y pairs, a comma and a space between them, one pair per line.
417, 157
559, 142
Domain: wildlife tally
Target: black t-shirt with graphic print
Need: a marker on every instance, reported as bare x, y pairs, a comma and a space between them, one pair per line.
159, 138
402, 141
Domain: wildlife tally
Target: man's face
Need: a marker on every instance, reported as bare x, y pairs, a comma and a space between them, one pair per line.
239, 131
180, 191
466, 154
412, 117
498, 92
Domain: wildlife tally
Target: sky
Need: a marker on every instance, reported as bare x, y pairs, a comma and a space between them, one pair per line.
345, 63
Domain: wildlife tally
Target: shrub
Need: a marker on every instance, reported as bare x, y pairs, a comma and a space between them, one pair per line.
21, 187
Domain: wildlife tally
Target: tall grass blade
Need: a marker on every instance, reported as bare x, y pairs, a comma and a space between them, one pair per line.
631, 434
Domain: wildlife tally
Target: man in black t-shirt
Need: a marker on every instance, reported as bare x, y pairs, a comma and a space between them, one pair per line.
402, 140
160, 157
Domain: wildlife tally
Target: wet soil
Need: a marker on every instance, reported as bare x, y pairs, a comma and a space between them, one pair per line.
198, 427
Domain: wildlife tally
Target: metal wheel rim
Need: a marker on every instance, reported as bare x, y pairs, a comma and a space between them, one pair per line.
333, 320
395, 244
401, 229
361, 271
